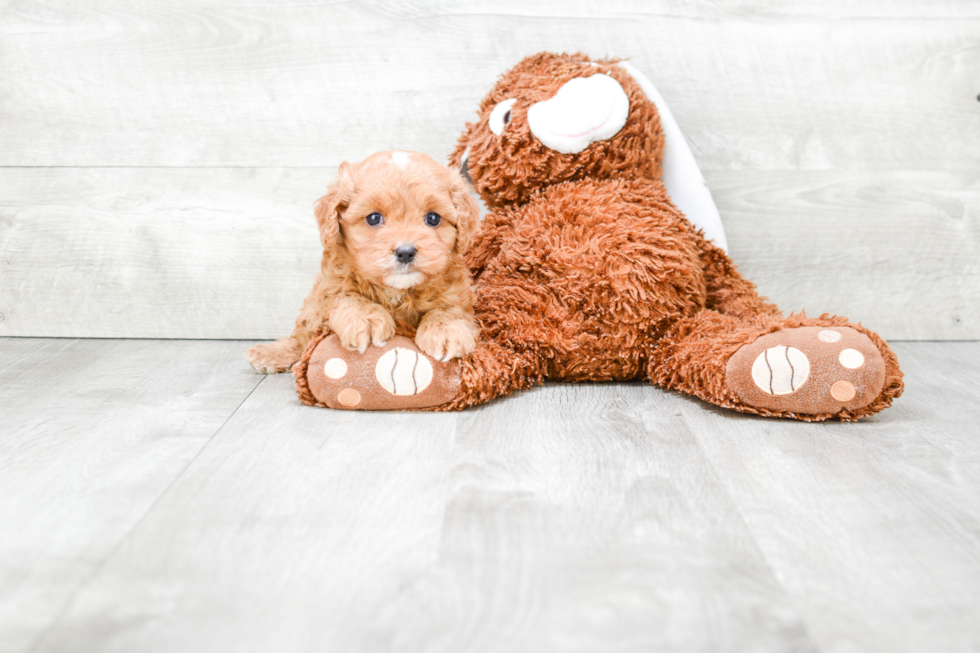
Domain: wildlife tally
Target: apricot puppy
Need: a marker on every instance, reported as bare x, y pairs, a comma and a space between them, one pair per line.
394, 228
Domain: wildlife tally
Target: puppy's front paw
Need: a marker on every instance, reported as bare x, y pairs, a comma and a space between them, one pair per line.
273, 357
367, 325
445, 341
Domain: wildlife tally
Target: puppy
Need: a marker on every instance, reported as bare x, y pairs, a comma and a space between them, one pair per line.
394, 228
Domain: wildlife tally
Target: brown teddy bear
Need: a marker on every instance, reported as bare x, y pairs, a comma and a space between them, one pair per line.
585, 270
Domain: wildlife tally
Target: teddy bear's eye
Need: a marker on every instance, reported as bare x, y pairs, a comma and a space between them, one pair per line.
433, 219
374, 219
500, 116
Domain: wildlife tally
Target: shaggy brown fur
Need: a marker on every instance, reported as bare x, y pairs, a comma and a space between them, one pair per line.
585, 271
363, 292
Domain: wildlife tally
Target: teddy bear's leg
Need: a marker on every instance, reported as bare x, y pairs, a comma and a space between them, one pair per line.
728, 292
492, 371
400, 376
806, 368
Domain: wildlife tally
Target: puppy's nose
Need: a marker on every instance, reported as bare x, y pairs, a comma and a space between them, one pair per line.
405, 253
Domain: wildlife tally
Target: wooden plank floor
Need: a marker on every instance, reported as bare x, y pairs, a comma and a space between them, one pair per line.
158, 496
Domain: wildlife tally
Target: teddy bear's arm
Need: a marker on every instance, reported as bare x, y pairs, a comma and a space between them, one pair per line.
496, 227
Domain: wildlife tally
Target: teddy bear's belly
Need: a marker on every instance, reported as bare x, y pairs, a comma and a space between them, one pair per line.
592, 273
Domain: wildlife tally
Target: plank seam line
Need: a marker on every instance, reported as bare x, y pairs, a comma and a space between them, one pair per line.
172, 167
233, 339
755, 543
115, 549
193, 339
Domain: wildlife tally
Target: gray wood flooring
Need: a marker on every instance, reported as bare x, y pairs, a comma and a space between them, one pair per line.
159, 496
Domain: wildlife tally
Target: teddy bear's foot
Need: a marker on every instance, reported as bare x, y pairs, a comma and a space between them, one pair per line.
397, 376
809, 370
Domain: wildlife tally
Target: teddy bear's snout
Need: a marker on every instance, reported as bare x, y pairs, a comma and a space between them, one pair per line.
583, 111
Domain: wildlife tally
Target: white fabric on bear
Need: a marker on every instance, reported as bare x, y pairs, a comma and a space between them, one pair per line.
583, 111
683, 179
497, 121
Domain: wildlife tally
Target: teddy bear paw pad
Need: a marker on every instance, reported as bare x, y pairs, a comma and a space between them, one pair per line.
808, 370
396, 376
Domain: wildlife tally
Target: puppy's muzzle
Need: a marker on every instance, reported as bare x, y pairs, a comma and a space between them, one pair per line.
405, 254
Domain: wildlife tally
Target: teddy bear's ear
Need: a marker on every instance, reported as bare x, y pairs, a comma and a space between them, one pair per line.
329, 208
467, 211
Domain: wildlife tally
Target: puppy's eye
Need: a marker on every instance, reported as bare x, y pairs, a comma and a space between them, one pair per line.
374, 219
500, 116
433, 219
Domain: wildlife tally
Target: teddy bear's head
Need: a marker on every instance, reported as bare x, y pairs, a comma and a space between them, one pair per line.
555, 118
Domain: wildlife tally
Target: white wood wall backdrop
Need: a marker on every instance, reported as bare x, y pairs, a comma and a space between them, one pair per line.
161, 158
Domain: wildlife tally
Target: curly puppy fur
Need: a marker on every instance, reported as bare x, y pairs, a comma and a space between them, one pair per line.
365, 288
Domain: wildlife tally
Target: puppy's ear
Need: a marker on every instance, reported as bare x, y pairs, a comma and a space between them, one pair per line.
467, 211
329, 208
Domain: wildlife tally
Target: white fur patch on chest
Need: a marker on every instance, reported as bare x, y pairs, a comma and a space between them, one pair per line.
400, 159
403, 280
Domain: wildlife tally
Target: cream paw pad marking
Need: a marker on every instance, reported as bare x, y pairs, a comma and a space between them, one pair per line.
394, 377
808, 370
